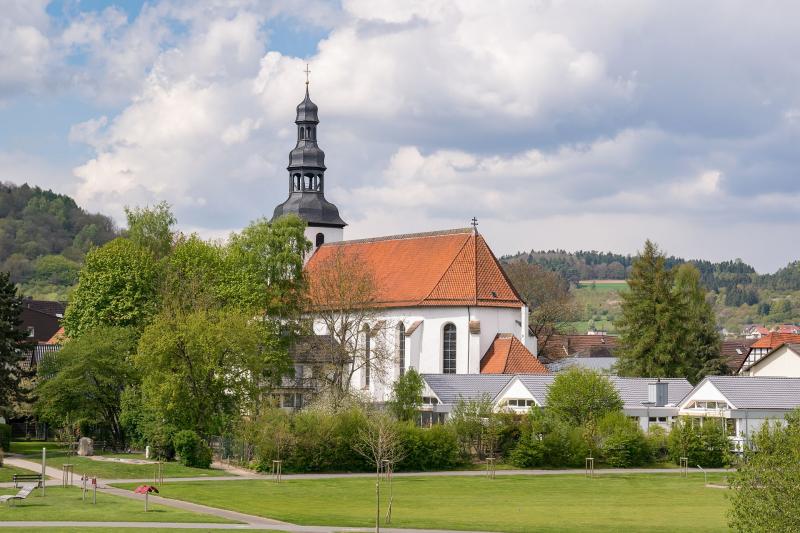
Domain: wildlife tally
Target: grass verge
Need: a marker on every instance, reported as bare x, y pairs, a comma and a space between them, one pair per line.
66, 504
563, 503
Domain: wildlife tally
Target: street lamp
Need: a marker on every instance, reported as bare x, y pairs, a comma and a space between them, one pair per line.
648, 404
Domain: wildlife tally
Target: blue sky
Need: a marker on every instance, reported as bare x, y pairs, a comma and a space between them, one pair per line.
570, 125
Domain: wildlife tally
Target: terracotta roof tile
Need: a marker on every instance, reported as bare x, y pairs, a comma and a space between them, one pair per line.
454, 267
773, 340
507, 355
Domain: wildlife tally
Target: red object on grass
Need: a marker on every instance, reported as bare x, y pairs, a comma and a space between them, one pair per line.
144, 489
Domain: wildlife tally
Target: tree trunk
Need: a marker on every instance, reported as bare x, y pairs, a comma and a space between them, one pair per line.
378, 501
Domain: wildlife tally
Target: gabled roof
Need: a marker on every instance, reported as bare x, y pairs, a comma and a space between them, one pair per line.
634, 391
444, 268
450, 388
773, 340
734, 352
507, 355
756, 392
559, 346
794, 347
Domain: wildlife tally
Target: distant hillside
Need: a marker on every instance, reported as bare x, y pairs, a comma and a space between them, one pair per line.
740, 295
44, 237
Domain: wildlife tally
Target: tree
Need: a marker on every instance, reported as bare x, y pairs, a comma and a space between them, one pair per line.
82, 385
699, 339
475, 423
201, 369
380, 443
547, 295
343, 299
765, 492
118, 286
151, 228
13, 343
667, 328
648, 346
580, 396
407, 396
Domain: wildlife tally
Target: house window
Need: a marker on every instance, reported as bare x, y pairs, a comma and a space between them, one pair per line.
31, 331
429, 400
449, 349
401, 347
367, 348
293, 400
519, 402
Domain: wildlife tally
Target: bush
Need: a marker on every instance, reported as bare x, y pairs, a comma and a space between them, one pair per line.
547, 441
657, 440
191, 449
5, 437
623, 444
705, 446
434, 448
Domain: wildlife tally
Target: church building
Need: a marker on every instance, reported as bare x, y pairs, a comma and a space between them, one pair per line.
442, 300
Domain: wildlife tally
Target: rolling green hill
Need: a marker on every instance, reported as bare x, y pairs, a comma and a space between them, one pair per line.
44, 237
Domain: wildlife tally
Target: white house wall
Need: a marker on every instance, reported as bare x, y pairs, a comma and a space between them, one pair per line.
782, 362
707, 392
514, 390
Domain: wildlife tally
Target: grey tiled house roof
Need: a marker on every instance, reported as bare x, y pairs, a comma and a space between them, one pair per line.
756, 392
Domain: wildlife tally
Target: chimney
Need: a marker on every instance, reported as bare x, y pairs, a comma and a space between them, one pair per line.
658, 393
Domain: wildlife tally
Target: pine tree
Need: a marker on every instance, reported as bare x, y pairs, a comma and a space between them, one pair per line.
667, 328
699, 339
13, 343
647, 322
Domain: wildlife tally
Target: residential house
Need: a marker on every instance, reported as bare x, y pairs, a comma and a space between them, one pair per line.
590, 345
650, 401
782, 361
742, 403
765, 345
734, 352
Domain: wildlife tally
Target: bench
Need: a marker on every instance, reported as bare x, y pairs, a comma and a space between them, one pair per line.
27, 477
23, 493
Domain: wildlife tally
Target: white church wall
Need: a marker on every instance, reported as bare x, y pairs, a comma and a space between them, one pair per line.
329, 235
496, 320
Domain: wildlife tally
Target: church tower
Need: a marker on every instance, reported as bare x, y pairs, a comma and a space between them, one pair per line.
307, 181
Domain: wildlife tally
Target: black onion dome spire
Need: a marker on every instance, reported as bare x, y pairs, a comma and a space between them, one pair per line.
307, 173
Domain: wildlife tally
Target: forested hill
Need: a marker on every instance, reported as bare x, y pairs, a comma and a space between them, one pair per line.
43, 238
575, 266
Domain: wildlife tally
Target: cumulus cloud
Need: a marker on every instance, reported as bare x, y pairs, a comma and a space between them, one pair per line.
588, 125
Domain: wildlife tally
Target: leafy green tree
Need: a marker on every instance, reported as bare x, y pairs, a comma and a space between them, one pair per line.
580, 396
193, 275
152, 228
407, 396
705, 445
82, 384
765, 492
13, 344
698, 335
201, 369
118, 287
648, 323
264, 265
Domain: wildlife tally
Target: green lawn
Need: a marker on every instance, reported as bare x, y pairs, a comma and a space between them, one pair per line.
31, 447
66, 504
7, 472
624, 502
110, 470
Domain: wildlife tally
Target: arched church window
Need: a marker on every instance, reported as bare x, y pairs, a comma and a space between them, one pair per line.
320, 239
297, 182
401, 347
308, 132
302, 133
449, 349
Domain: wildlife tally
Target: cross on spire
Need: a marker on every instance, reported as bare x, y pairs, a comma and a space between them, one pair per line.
474, 224
307, 73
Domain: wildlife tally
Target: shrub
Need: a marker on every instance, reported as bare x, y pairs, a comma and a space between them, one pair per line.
5, 437
434, 448
706, 446
547, 441
191, 449
657, 440
623, 444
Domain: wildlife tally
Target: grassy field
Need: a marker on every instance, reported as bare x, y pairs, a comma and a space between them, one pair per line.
603, 285
66, 504
7, 472
111, 470
31, 447
632, 502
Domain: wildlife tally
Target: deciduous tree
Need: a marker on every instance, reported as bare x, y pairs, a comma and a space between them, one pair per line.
407, 395
82, 384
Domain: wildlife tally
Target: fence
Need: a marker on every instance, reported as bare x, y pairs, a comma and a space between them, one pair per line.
231, 450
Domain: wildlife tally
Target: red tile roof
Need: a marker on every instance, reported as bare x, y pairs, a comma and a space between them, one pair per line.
507, 355
773, 340
444, 268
